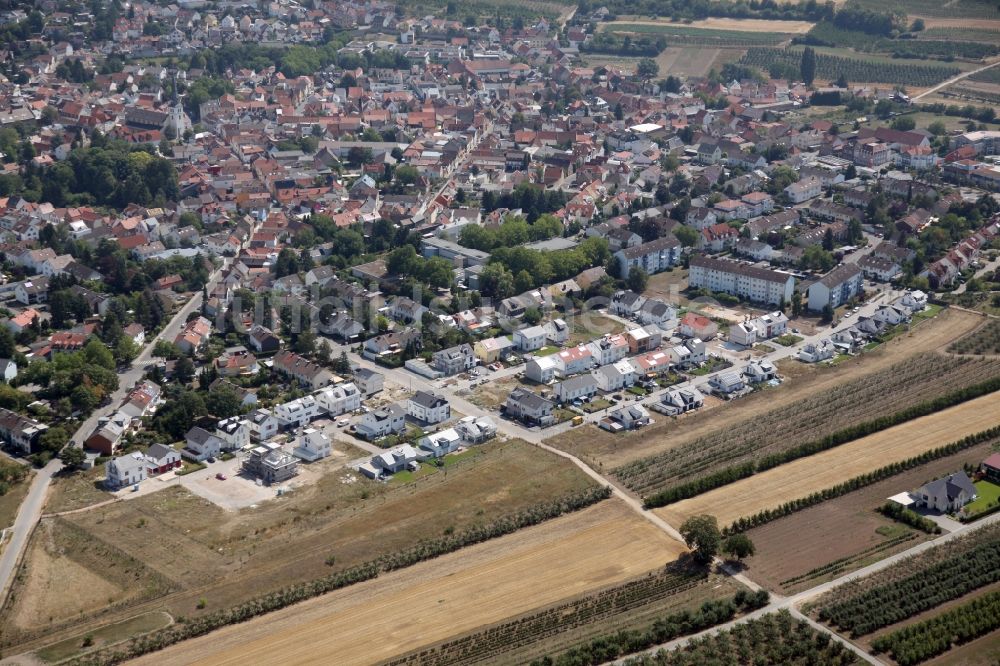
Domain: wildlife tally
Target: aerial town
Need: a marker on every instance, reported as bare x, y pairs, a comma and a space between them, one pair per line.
362, 332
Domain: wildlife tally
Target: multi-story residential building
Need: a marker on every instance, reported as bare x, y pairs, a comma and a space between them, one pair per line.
836, 287
652, 257
302, 370
753, 283
454, 360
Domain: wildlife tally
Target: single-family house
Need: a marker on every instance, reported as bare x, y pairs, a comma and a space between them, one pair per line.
948, 494
814, 352
339, 399
440, 444
428, 408
454, 360
541, 369
760, 370
161, 458
529, 408
200, 444
312, 445
727, 383
676, 401
530, 338
694, 325
575, 388
382, 422
234, 433
127, 470
369, 382
626, 417
297, 412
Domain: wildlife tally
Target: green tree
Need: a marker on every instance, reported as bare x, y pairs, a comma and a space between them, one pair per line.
637, 279
72, 457
702, 536
686, 235
828, 240
647, 69
738, 546
184, 370
807, 66
827, 313
223, 402
796, 303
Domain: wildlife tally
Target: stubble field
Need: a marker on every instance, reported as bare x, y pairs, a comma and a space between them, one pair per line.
433, 600
807, 475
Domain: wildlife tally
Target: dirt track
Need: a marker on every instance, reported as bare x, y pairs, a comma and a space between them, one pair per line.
823, 470
433, 600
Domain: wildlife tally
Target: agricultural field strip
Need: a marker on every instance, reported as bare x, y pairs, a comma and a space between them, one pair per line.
927, 639
439, 599
707, 36
856, 69
805, 476
532, 628
914, 585
985, 340
883, 392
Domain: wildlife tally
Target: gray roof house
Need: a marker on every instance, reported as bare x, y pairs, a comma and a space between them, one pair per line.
948, 494
529, 407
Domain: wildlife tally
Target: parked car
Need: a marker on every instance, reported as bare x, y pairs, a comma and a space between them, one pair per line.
342, 422
211, 459
220, 476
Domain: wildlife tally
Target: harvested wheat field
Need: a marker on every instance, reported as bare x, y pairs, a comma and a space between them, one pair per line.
433, 600
823, 470
722, 23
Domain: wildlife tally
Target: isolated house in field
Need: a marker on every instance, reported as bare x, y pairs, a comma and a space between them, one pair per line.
948, 494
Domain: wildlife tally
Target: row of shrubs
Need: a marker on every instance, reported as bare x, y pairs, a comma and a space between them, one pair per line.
292, 594
880, 474
627, 641
900, 513
742, 471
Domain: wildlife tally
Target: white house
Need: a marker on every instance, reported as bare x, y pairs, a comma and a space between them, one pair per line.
574, 388
530, 338
652, 257
557, 331
440, 444
234, 433
804, 190
615, 376
760, 370
891, 315
312, 445
753, 283
948, 494
574, 360
743, 334
476, 429
428, 408
263, 424
814, 353
201, 445
339, 399
679, 400
298, 412
727, 383
626, 417
609, 349
914, 301
125, 470
383, 422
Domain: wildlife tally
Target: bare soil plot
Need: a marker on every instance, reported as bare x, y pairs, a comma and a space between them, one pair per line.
844, 527
721, 23
224, 557
493, 393
971, 23
823, 470
440, 598
603, 450
69, 492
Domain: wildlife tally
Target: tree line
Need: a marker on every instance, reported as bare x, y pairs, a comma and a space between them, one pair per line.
925, 640
884, 605
609, 647
858, 482
737, 472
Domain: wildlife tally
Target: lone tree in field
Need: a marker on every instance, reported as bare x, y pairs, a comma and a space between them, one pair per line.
738, 546
807, 68
701, 534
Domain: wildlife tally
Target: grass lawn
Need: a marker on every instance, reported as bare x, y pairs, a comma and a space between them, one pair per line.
788, 339
596, 405
989, 495
190, 467
931, 310
548, 350
109, 635
710, 366
76, 490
